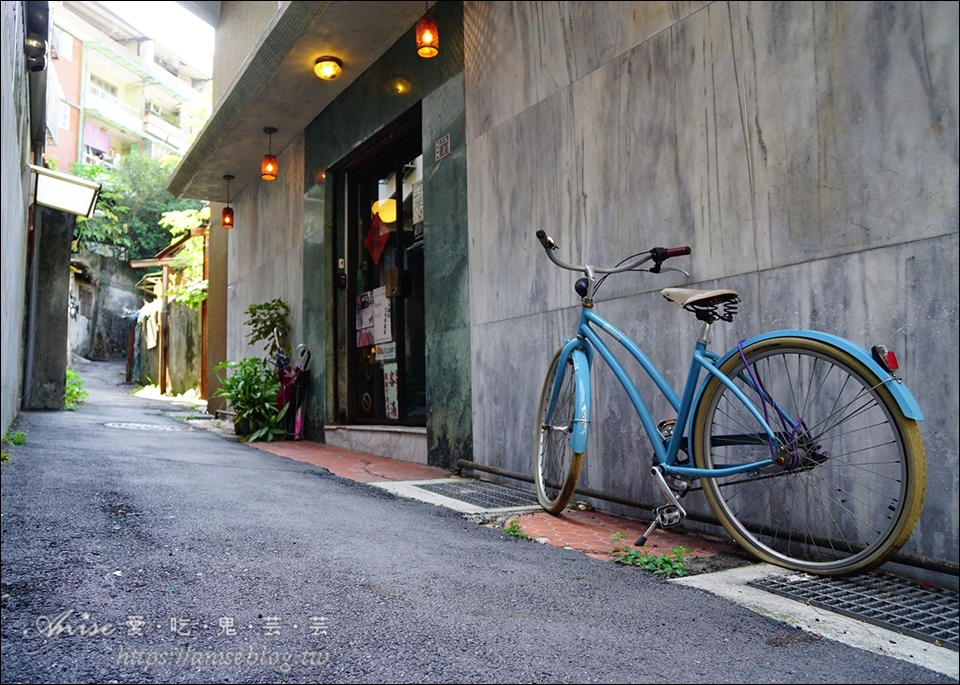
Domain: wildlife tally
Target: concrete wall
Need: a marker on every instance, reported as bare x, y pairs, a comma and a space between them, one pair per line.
266, 251
14, 154
103, 335
53, 232
807, 152
184, 348
239, 28
241, 23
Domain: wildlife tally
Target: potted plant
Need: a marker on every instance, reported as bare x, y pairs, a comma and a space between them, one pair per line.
268, 323
251, 387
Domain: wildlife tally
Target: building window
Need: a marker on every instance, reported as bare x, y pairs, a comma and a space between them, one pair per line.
64, 44
65, 109
103, 85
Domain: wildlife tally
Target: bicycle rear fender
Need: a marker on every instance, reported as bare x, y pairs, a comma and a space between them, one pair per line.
905, 400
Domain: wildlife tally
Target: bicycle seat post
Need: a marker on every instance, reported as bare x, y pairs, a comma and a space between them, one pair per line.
704, 336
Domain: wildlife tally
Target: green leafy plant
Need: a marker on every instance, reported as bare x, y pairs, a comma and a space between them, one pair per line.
251, 387
133, 198
74, 394
266, 318
514, 530
667, 564
12, 438
191, 287
15, 438
270, 424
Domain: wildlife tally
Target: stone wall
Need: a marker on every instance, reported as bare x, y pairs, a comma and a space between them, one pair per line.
184, 348
807, 152
101, 332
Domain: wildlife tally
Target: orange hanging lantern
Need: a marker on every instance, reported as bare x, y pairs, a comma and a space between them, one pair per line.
428, 39
268, 167
226, 217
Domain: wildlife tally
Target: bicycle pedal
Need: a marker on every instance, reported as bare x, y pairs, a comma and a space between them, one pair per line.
668, 516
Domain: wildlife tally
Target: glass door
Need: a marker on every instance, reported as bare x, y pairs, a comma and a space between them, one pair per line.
386, 353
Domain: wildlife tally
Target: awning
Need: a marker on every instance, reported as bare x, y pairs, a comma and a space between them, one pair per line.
65, 192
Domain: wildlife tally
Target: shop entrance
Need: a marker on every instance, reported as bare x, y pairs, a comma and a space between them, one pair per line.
385, 355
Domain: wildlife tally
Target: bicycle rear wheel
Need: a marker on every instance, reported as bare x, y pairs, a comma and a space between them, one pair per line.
848, 485
556, 466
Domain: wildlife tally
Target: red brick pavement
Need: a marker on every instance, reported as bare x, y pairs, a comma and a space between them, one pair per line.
591, 532
359, 466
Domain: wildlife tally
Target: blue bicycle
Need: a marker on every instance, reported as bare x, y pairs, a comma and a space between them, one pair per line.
805, 445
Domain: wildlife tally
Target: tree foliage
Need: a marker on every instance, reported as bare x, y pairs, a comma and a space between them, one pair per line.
133, 199
191, 288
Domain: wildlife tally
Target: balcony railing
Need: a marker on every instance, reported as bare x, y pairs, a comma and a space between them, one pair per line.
112, 100
114, 111
89, 158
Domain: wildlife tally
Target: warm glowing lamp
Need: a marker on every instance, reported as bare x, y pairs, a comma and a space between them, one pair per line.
327, 68
226, 218
428, 39
387, 209
268, 167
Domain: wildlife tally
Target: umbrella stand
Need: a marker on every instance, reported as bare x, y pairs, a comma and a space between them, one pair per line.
294, 381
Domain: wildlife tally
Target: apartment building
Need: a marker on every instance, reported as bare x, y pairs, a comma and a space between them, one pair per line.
113, 91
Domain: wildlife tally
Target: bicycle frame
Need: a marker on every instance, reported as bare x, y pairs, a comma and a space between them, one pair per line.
588, 340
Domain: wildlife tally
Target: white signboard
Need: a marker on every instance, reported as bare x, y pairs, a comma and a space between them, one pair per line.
382, 328
386, 352
390, 391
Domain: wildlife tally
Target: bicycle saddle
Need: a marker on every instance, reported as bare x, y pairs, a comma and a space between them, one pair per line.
705, 303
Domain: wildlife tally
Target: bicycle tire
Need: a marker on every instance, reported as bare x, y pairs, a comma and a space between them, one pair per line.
556, 466
850, 487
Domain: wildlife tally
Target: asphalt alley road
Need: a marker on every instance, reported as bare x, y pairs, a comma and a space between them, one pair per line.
137, 549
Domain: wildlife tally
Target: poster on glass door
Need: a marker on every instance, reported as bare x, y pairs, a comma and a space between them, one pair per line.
365, 315
382, 328
390, 391
374, 325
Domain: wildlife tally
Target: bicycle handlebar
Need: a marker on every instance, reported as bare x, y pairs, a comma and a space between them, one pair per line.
657, 254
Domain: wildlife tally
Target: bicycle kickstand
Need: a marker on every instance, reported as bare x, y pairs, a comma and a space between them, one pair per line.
670, 514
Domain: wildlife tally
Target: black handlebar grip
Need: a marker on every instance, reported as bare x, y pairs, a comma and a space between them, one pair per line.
676, 252
542, 237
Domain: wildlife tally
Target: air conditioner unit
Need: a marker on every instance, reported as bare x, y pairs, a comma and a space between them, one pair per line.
154, 108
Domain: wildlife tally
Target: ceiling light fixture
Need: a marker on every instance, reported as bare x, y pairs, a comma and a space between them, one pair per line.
226, 218
327, 68
268, 167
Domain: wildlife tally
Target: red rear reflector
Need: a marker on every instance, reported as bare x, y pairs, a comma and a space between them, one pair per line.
886, 358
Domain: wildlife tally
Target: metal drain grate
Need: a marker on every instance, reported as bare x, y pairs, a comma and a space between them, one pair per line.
894, 603
482, 494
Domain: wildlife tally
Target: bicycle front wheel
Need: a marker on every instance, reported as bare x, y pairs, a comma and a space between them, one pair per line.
556, 467
847, 485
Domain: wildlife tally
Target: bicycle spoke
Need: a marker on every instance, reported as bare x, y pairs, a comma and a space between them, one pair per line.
838, 491
556, 466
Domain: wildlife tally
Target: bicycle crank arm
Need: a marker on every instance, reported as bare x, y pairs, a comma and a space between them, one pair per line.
671, 514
